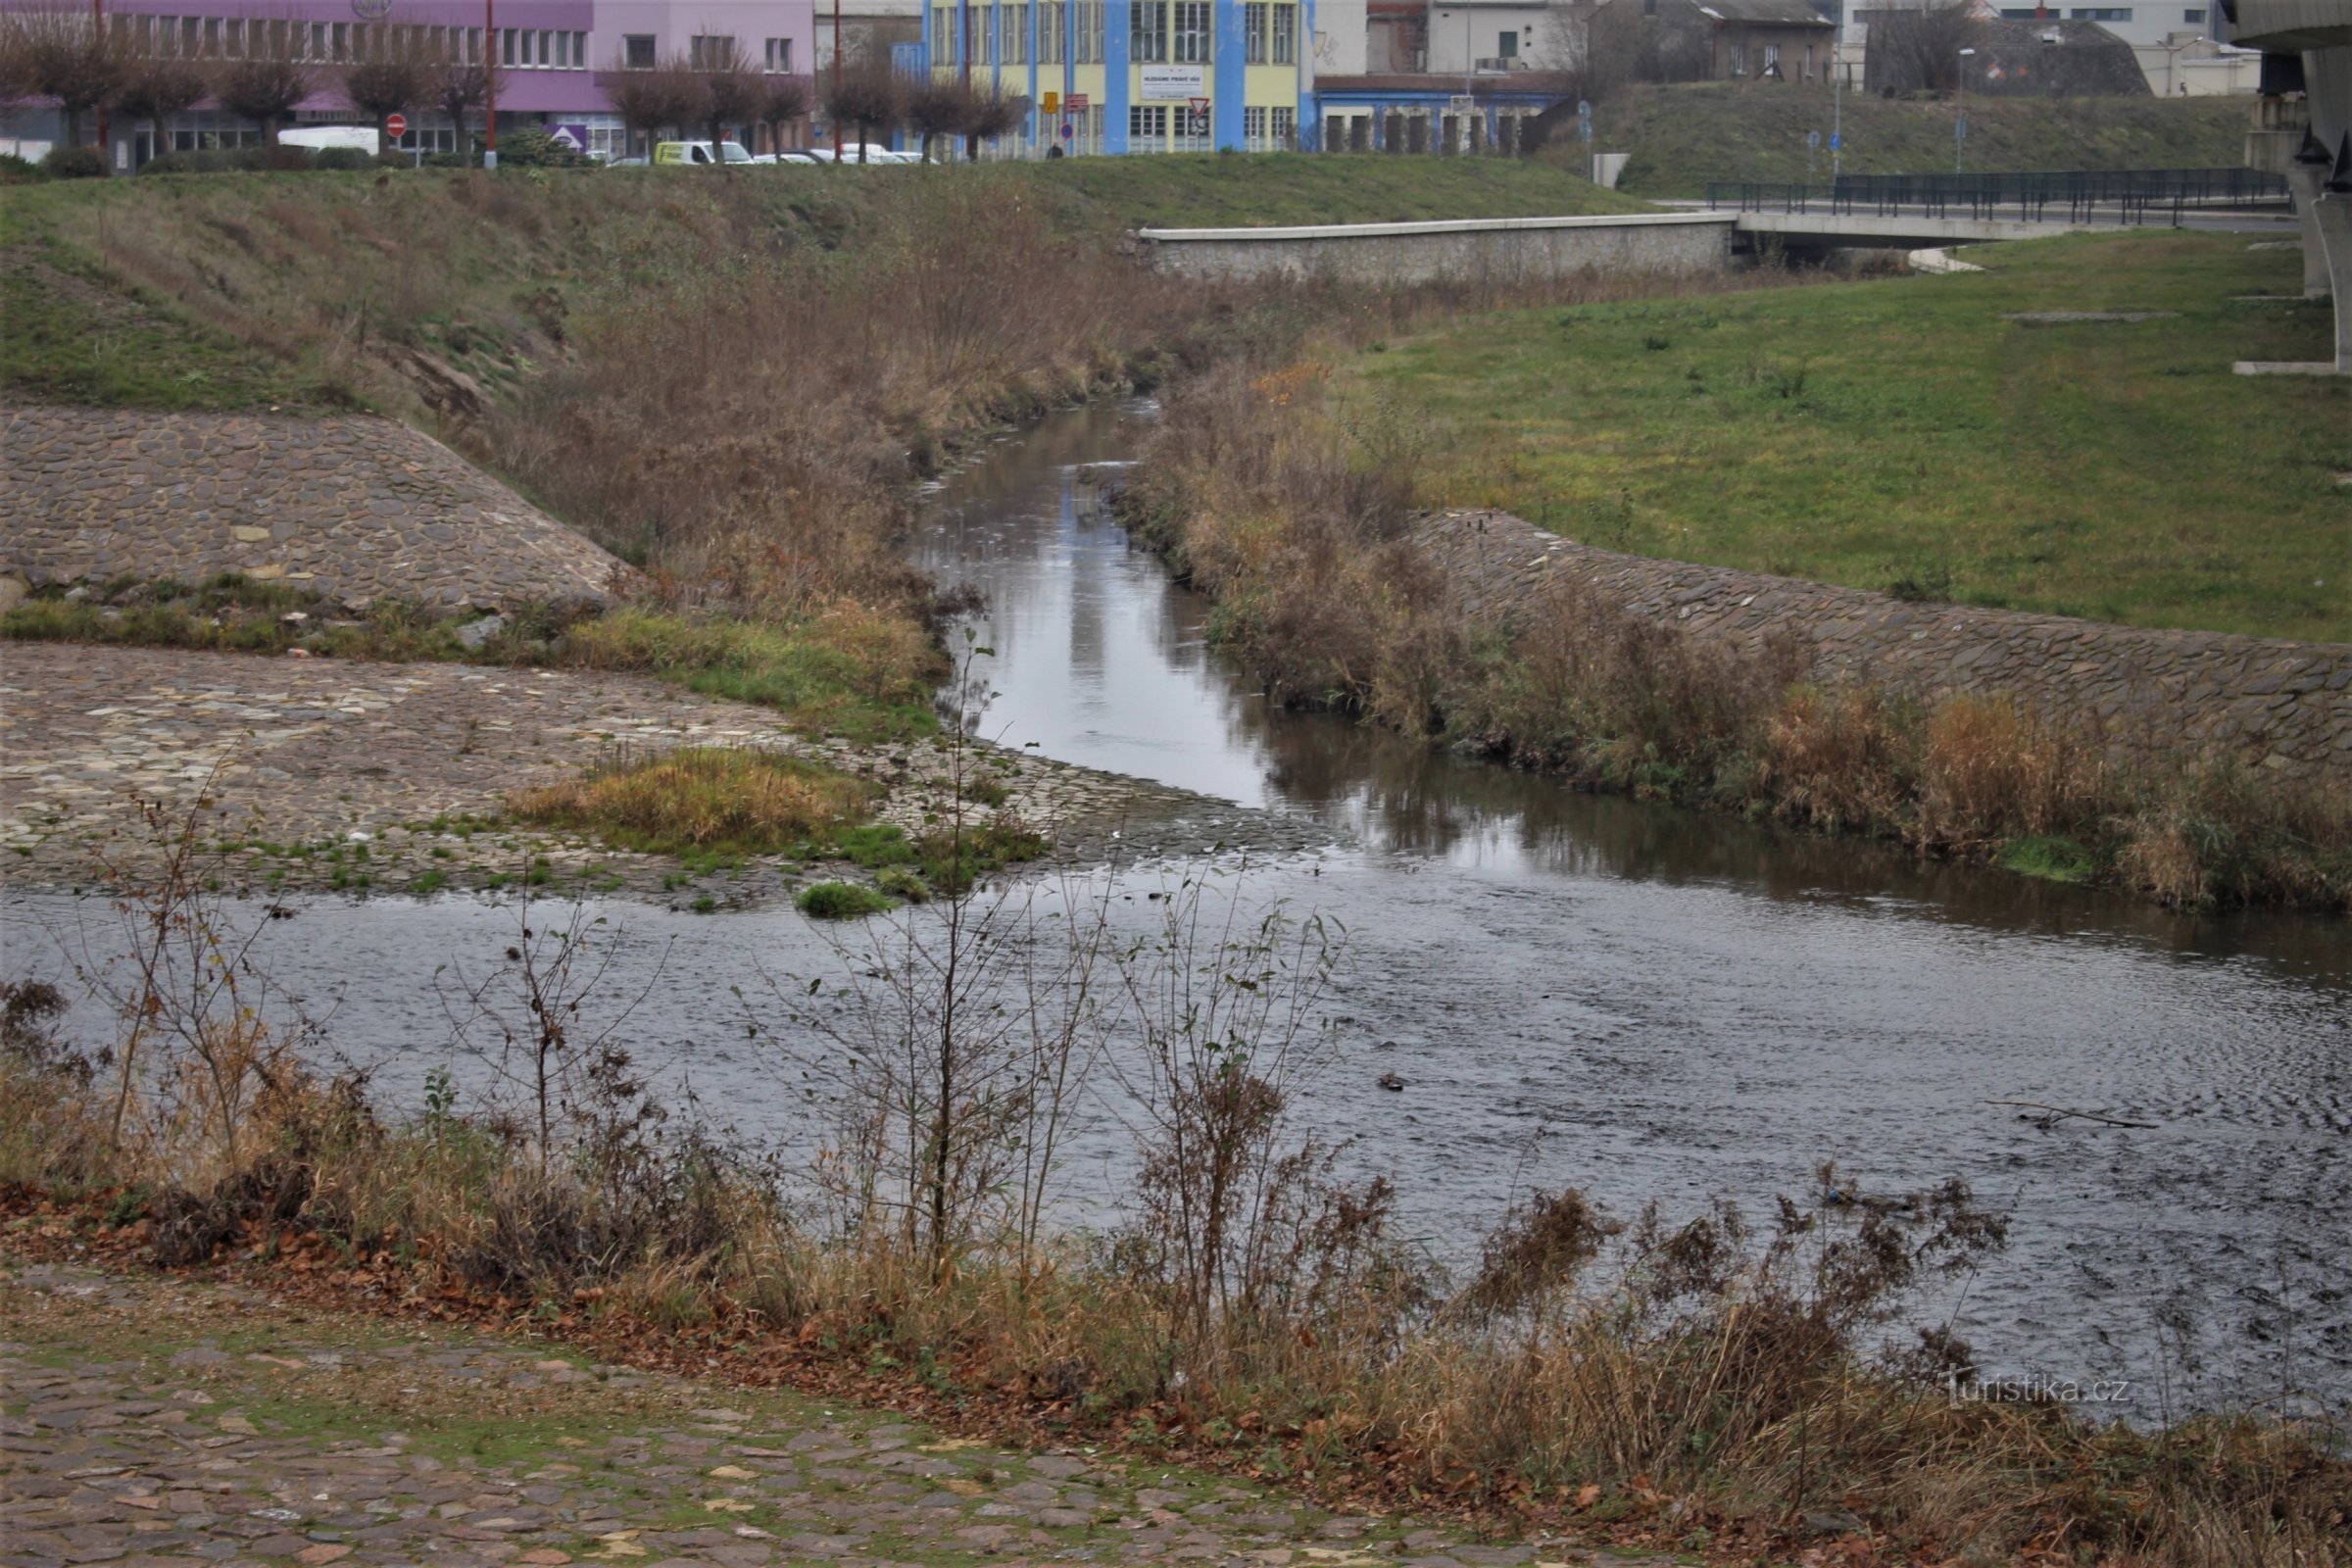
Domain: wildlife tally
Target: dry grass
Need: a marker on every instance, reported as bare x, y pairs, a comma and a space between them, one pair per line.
701, 798
1292, 507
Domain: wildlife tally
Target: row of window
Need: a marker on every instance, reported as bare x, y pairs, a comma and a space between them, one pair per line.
539, 48
1150, 127
323, 42
1158, 32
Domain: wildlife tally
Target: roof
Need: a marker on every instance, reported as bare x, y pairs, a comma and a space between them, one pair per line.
1770, 13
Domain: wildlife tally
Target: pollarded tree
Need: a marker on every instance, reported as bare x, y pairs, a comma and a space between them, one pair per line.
993, 115
866, 93
64, 53
158, 89
939, 109
652, 99
388, 85
1914, 49
730, 93
457, 87
783, 101
266, 84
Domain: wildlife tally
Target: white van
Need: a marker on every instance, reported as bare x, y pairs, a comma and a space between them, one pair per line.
699, 152
319, 138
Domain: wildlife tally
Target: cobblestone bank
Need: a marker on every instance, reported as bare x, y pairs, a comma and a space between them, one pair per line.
2283, 705
149, 1420
354, 508
354, 776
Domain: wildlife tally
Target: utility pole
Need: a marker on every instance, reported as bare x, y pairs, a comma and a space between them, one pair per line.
1836, 99
836, 119
489, 86
1960, 123
98, 28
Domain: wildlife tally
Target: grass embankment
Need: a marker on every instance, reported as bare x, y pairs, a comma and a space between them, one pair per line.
1888, 434
1905, 433
1693, 1384
1682, 136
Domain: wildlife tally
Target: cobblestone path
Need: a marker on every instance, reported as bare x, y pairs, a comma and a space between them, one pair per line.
314, 751
151, 1419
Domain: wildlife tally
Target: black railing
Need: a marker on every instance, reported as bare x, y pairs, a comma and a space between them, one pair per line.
2074, 196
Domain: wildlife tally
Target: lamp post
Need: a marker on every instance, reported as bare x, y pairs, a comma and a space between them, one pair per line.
1837, 100
1960, 125
489, 86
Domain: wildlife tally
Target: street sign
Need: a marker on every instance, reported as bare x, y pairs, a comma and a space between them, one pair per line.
1052, 103
1813, 139
396, 126
1836, 141
1076, 104
1959, 131
1067, 131
1199, 117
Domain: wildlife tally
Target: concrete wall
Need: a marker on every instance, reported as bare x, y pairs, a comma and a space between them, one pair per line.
2283, 707
1503, 249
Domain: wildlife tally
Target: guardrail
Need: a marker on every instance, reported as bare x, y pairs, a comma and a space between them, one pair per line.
2074, 196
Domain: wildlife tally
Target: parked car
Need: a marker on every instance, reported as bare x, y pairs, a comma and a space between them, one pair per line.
699, 152
875, 155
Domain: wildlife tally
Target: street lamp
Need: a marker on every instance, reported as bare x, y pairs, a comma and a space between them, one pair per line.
1960, 125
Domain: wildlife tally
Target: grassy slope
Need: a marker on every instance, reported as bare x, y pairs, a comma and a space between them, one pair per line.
1864, 432
1682, 136
244, 290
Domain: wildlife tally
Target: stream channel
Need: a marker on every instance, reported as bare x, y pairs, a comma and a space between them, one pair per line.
1582, 990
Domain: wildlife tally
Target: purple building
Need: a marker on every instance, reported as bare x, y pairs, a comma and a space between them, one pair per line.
551, 56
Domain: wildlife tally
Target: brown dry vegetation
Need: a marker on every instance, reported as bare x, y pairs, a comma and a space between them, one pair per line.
1294, 511
1705, 1382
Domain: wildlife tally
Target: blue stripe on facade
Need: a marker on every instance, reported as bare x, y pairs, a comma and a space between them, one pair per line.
1226, 87
1310, 123
1116, 41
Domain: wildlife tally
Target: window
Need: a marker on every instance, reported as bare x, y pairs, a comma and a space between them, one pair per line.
1253, 34
988, 36
341, 40
779, 57
1146, 30
2102, 13
712, 52
942, 36
1052, 17
1506, 46
1016, 35
1772, 60
1286, 35
2194, 15
1253, 129
637, 51
1286, 129
1194, 26
1738, 58
1147, 126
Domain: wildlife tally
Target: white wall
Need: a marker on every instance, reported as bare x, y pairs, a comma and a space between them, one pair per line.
1459, 35
1340, 36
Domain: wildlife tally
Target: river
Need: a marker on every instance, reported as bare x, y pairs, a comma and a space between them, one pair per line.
1650, 1005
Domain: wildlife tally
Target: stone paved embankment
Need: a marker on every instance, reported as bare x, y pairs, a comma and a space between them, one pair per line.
392, 778
2285, 707
148, 1420
353, 509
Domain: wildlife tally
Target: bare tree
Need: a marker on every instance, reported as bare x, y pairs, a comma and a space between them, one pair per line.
64, 53
158, 89
1911, 50
457, 87
649, 100
868, 94
783, 101
938, 109
730, 94
266, 84
993, 115
385, 86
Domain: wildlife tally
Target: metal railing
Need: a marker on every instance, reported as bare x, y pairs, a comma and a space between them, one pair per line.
2073, 196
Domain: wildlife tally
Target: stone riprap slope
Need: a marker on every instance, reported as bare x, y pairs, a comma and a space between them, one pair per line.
2283, 705
151, 1420
354, 509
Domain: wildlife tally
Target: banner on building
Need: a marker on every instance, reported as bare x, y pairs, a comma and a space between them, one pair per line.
1174, 84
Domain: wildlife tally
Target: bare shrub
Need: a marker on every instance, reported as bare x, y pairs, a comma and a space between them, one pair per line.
783, 103
1915, 48
267, 82
731, 93
866, 92
1993, 769
1838, 761
156, 89
936, 109
651, 101
457, 87
385, 85
62, 50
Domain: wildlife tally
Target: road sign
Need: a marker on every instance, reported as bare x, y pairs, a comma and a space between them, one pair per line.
1959, 131
1812, 138
396, 126
1052, 103
1199, 117
1067, 131
1836, 141
1074, 103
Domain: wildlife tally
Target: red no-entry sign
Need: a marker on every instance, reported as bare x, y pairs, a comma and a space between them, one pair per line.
396, 126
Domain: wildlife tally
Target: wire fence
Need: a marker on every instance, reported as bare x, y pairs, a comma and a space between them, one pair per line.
2073, 196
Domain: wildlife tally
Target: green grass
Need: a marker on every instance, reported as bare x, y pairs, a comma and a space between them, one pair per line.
1900, 434
1682, 136
1218, 190
841, 901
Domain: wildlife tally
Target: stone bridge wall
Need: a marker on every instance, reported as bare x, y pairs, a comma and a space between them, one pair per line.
2284, 706
355, 509
1499, 250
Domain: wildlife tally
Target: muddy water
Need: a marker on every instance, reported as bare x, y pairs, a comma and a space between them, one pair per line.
1651, 1004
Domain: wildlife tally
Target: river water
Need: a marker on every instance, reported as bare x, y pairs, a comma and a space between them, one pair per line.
1650, 1005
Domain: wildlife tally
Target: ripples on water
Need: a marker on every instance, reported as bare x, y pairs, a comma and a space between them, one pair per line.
1651, 1004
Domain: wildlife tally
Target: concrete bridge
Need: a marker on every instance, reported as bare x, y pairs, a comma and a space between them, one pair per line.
2305, 132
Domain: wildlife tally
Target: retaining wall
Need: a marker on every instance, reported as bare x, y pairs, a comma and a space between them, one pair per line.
1497, 250
355, 509
2283, 706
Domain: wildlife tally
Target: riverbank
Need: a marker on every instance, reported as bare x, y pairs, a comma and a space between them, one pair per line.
1294, 504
